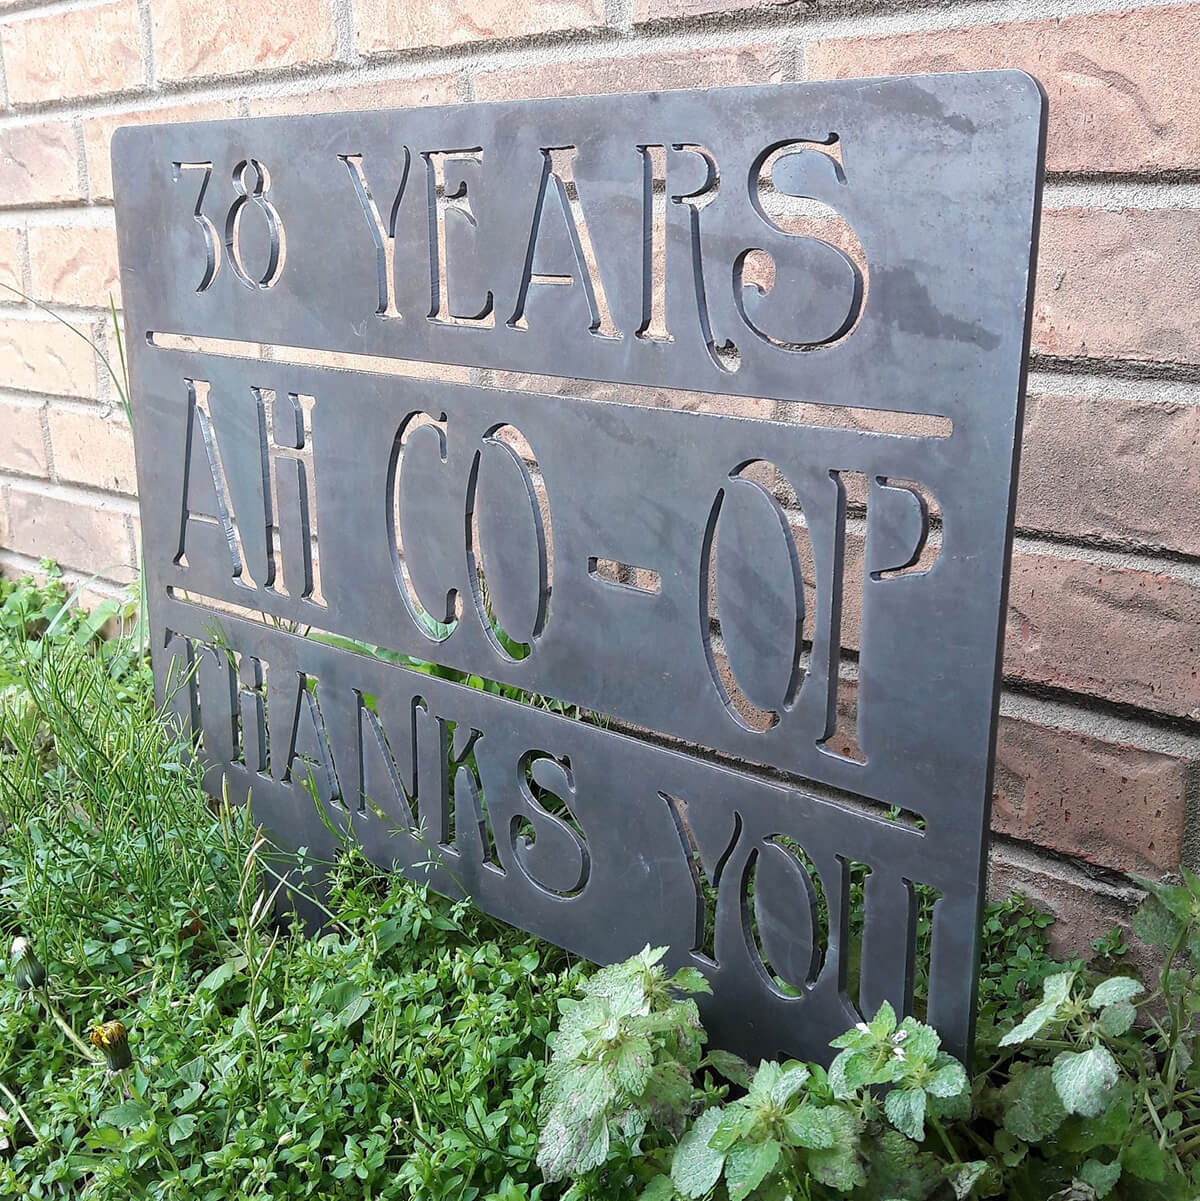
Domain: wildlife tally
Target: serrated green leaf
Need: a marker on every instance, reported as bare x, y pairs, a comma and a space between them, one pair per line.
948, 1081
1116, 1019
660, 1188
884, 1021
729, 1128
747, 1166
791, 1080
732, 1067
690, 980
634, 1063
1055, 991
1145, 1159
764, 1081
1155, 925
838, 1168
810, 1127
1084, 1080
1116, 988
696, 1166
966, 1176
1102, 1177
905, 1109
919, 1042
1032, 1108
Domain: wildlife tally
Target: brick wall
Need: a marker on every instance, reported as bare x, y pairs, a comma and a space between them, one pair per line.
1100, 735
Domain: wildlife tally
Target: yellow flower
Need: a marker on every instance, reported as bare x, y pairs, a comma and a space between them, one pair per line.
113, 1041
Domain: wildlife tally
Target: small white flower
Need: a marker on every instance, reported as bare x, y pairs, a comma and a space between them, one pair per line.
899, 1036
863, 1028
898, 1052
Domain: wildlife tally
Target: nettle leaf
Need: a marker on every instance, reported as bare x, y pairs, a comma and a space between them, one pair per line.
1116, 1019
810, 1127
666, 1095
746, 1167
837, 1168
884, 1022
919, 1042
764, 1081
948, 1081
791, 1080
732, 1067
1055, 991
967, 1176
690, 980
696, 1165
905, 1108
1085, 1079
660, 1188
634, 1062
592, 1087
1116, 988
1102, 1177
899, 1169
1145, 1159
734, 1120
1155, 924
1033, 1110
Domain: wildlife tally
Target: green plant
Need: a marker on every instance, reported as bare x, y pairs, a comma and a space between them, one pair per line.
620, 1070
400, 1053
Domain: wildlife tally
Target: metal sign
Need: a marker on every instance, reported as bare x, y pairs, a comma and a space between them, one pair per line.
782, 620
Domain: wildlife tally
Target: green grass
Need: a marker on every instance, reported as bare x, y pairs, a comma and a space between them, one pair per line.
399, 1054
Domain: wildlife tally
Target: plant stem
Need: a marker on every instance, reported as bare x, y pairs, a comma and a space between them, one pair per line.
941, 1130
12, 1100
64, 1025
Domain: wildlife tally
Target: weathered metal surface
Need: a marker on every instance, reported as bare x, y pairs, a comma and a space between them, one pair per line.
692, 574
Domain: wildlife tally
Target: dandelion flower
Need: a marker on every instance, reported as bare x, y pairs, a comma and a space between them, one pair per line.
27, 970
113, 1041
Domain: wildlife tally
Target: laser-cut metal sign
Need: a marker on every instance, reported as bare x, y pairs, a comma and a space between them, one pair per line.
694, 576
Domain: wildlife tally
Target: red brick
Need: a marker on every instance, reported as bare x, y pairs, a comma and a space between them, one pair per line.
98, 132
225, 37
1122, 285
11, 242
77, 52
1120, 100
43, 355
643, 72
38, 165
645, 11
1084, 912
74, 264
1122, 470
384, 26
93, 448
384, 93
1119, 633
1114, 805
22, 444
90, 535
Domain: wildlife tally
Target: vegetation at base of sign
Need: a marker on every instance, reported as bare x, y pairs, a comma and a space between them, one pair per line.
161, 1036
1090, 1093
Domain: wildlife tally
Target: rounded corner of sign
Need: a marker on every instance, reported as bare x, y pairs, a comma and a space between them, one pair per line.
1029, 84
120, 138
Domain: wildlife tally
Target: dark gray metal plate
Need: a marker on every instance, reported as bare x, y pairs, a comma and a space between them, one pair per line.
639, 240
